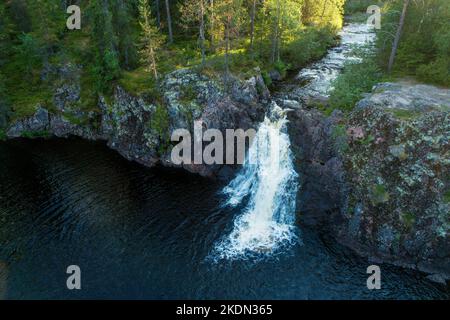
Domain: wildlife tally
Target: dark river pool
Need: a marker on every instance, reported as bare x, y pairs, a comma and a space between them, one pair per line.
139, 233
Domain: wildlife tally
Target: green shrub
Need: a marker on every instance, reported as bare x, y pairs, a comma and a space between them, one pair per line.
105, 70
424, 48
446, 196
311, 44
282, 68
339, 136
436, 72
358, 6
267, 78
409, 220
160, 124
28, 53
356, 79
3, 136
4, 107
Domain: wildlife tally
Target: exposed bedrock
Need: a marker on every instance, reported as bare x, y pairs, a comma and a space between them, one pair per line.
140, 129
378, 179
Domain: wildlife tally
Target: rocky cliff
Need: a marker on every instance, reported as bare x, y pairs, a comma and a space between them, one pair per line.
378, 178
140, 129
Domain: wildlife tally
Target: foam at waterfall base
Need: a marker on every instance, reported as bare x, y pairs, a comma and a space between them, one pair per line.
267, 186
252, 241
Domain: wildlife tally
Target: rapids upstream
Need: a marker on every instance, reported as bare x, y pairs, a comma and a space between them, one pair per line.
139, 233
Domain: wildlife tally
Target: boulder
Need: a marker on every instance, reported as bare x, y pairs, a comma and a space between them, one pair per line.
407, 96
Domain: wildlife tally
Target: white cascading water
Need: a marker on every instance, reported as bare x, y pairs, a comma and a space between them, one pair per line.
268, 182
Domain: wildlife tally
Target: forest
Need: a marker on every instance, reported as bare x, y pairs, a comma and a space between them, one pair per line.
421, 55
225, 149
135, 43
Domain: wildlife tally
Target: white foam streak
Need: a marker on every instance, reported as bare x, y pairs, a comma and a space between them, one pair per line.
268, 182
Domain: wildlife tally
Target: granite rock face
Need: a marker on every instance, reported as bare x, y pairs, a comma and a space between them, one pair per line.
398, 173
140, 130
318, 163
39, 122
407, 96
379, 179
192, 97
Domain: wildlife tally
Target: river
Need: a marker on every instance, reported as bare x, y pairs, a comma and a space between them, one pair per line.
139, 233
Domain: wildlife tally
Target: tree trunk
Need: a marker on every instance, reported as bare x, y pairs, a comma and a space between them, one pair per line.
153, 61
212, 16
324, 9
280, 31
252, 31
227, 47
397, 36
158, 14
202, 30
169, 22
126, 53
275, 34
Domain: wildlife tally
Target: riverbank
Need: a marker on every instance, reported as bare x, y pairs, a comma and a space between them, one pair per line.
358, 172
375, 175
140, 233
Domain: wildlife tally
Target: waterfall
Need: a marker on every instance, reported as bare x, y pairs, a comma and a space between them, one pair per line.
267, 189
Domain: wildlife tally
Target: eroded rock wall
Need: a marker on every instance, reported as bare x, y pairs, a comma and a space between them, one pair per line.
378, 179
140, 130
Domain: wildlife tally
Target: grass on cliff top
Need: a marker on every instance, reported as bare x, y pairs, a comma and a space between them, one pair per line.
141, 81
24, 88
25, 102
25, 97
138, 82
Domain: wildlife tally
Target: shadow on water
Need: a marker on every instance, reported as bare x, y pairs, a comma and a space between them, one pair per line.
146, 234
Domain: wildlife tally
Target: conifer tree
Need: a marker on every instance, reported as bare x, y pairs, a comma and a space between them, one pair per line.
229, 13
47, 23
4, 52
151, 39
194, 12
169, 21
122, 23
107, 67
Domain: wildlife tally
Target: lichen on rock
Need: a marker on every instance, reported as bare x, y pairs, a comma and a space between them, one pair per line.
378, 180
139, 129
